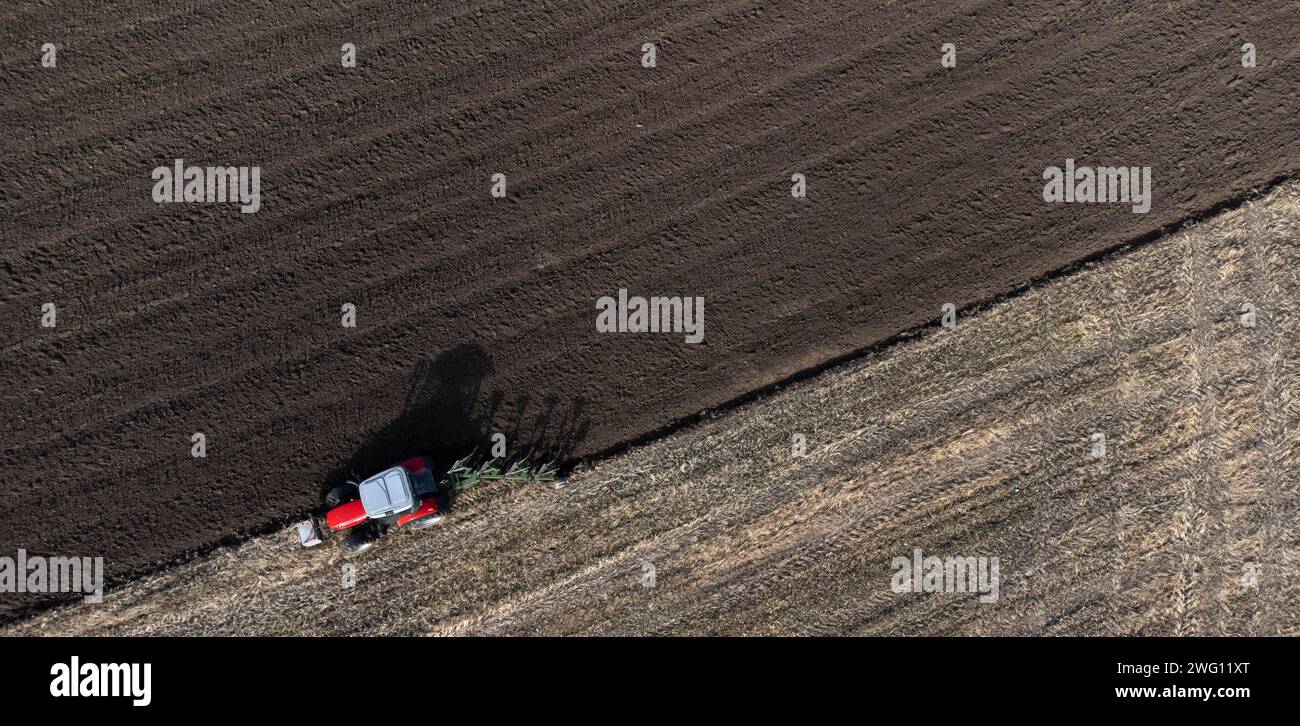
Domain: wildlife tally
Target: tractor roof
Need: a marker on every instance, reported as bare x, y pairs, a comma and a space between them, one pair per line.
387, 492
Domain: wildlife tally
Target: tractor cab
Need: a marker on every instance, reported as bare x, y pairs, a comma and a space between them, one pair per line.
405, 495
387, 493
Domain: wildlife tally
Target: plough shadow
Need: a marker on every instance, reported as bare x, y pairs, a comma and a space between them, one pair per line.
446, 417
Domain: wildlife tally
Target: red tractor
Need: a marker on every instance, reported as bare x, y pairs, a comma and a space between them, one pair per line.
406, 495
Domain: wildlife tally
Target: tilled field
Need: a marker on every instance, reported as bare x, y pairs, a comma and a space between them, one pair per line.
977, 441
476, 314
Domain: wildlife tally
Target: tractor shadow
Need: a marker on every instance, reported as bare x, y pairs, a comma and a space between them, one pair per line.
447, 417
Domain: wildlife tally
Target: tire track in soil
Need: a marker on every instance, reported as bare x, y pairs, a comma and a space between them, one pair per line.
1278, 426
1112, 466
1199, 522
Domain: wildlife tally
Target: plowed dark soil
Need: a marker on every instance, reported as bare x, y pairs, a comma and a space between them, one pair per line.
476, 314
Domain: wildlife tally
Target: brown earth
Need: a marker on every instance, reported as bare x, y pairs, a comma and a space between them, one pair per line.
967, 442
477, 314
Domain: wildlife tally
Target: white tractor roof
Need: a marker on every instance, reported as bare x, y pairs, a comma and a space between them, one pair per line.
386, 492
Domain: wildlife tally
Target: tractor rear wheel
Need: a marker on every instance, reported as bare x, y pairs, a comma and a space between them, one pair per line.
356, 542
